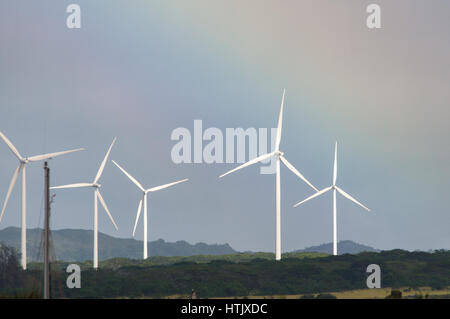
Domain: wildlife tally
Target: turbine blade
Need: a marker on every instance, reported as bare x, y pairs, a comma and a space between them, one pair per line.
253, 161
137, 216
313, 196
102, 201
157, 188
130, 177
11, 186
77, 185
296, 172
335, 164
11, 146
351, 198
102, 166
280, 123
51, 155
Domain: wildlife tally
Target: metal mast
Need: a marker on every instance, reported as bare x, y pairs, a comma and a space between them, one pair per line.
47, 233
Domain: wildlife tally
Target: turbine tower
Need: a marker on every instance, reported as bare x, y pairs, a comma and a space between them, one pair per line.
144, 200
23, 161
340, 191
279, 157
97, 196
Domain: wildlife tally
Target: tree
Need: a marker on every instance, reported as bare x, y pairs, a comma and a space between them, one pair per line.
9, 267
326, 296
395, 294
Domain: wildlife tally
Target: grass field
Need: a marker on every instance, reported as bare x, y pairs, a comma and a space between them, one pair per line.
370, 294
353, 294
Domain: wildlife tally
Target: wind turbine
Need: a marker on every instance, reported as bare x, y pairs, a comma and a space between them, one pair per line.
23, 161
280, 157
144, 200
96, 186
340, 191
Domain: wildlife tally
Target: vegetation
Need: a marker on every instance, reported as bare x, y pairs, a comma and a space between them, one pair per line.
76, 245
395, 294
246, 275
344, 247
382, 293
14, 282
116, 263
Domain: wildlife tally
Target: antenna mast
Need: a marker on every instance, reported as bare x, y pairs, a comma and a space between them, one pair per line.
47, 233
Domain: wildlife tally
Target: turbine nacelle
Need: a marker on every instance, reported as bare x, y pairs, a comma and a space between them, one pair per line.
98, 197
335, 190
143, 202
21, 168
280, 157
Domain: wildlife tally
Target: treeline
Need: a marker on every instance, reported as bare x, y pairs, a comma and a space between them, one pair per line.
116, 263
268, 277
14, 282
222, 278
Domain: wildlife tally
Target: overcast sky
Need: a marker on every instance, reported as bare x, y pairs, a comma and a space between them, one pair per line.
139, 69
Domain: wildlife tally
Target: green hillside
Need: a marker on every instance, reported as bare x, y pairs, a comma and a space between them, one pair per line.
117, 263
220, 278
343, 246
251, 275
77, 245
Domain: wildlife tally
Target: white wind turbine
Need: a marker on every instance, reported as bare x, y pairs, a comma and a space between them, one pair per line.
144, 200
96, 186
340, 191
280, 157
23, 161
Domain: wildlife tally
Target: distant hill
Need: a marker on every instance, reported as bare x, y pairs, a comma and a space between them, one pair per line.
344, 247
77, 245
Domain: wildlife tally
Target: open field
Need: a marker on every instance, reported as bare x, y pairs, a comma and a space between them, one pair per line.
350, 294
360, 294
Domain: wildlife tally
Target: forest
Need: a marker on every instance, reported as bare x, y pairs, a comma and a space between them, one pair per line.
234, 275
